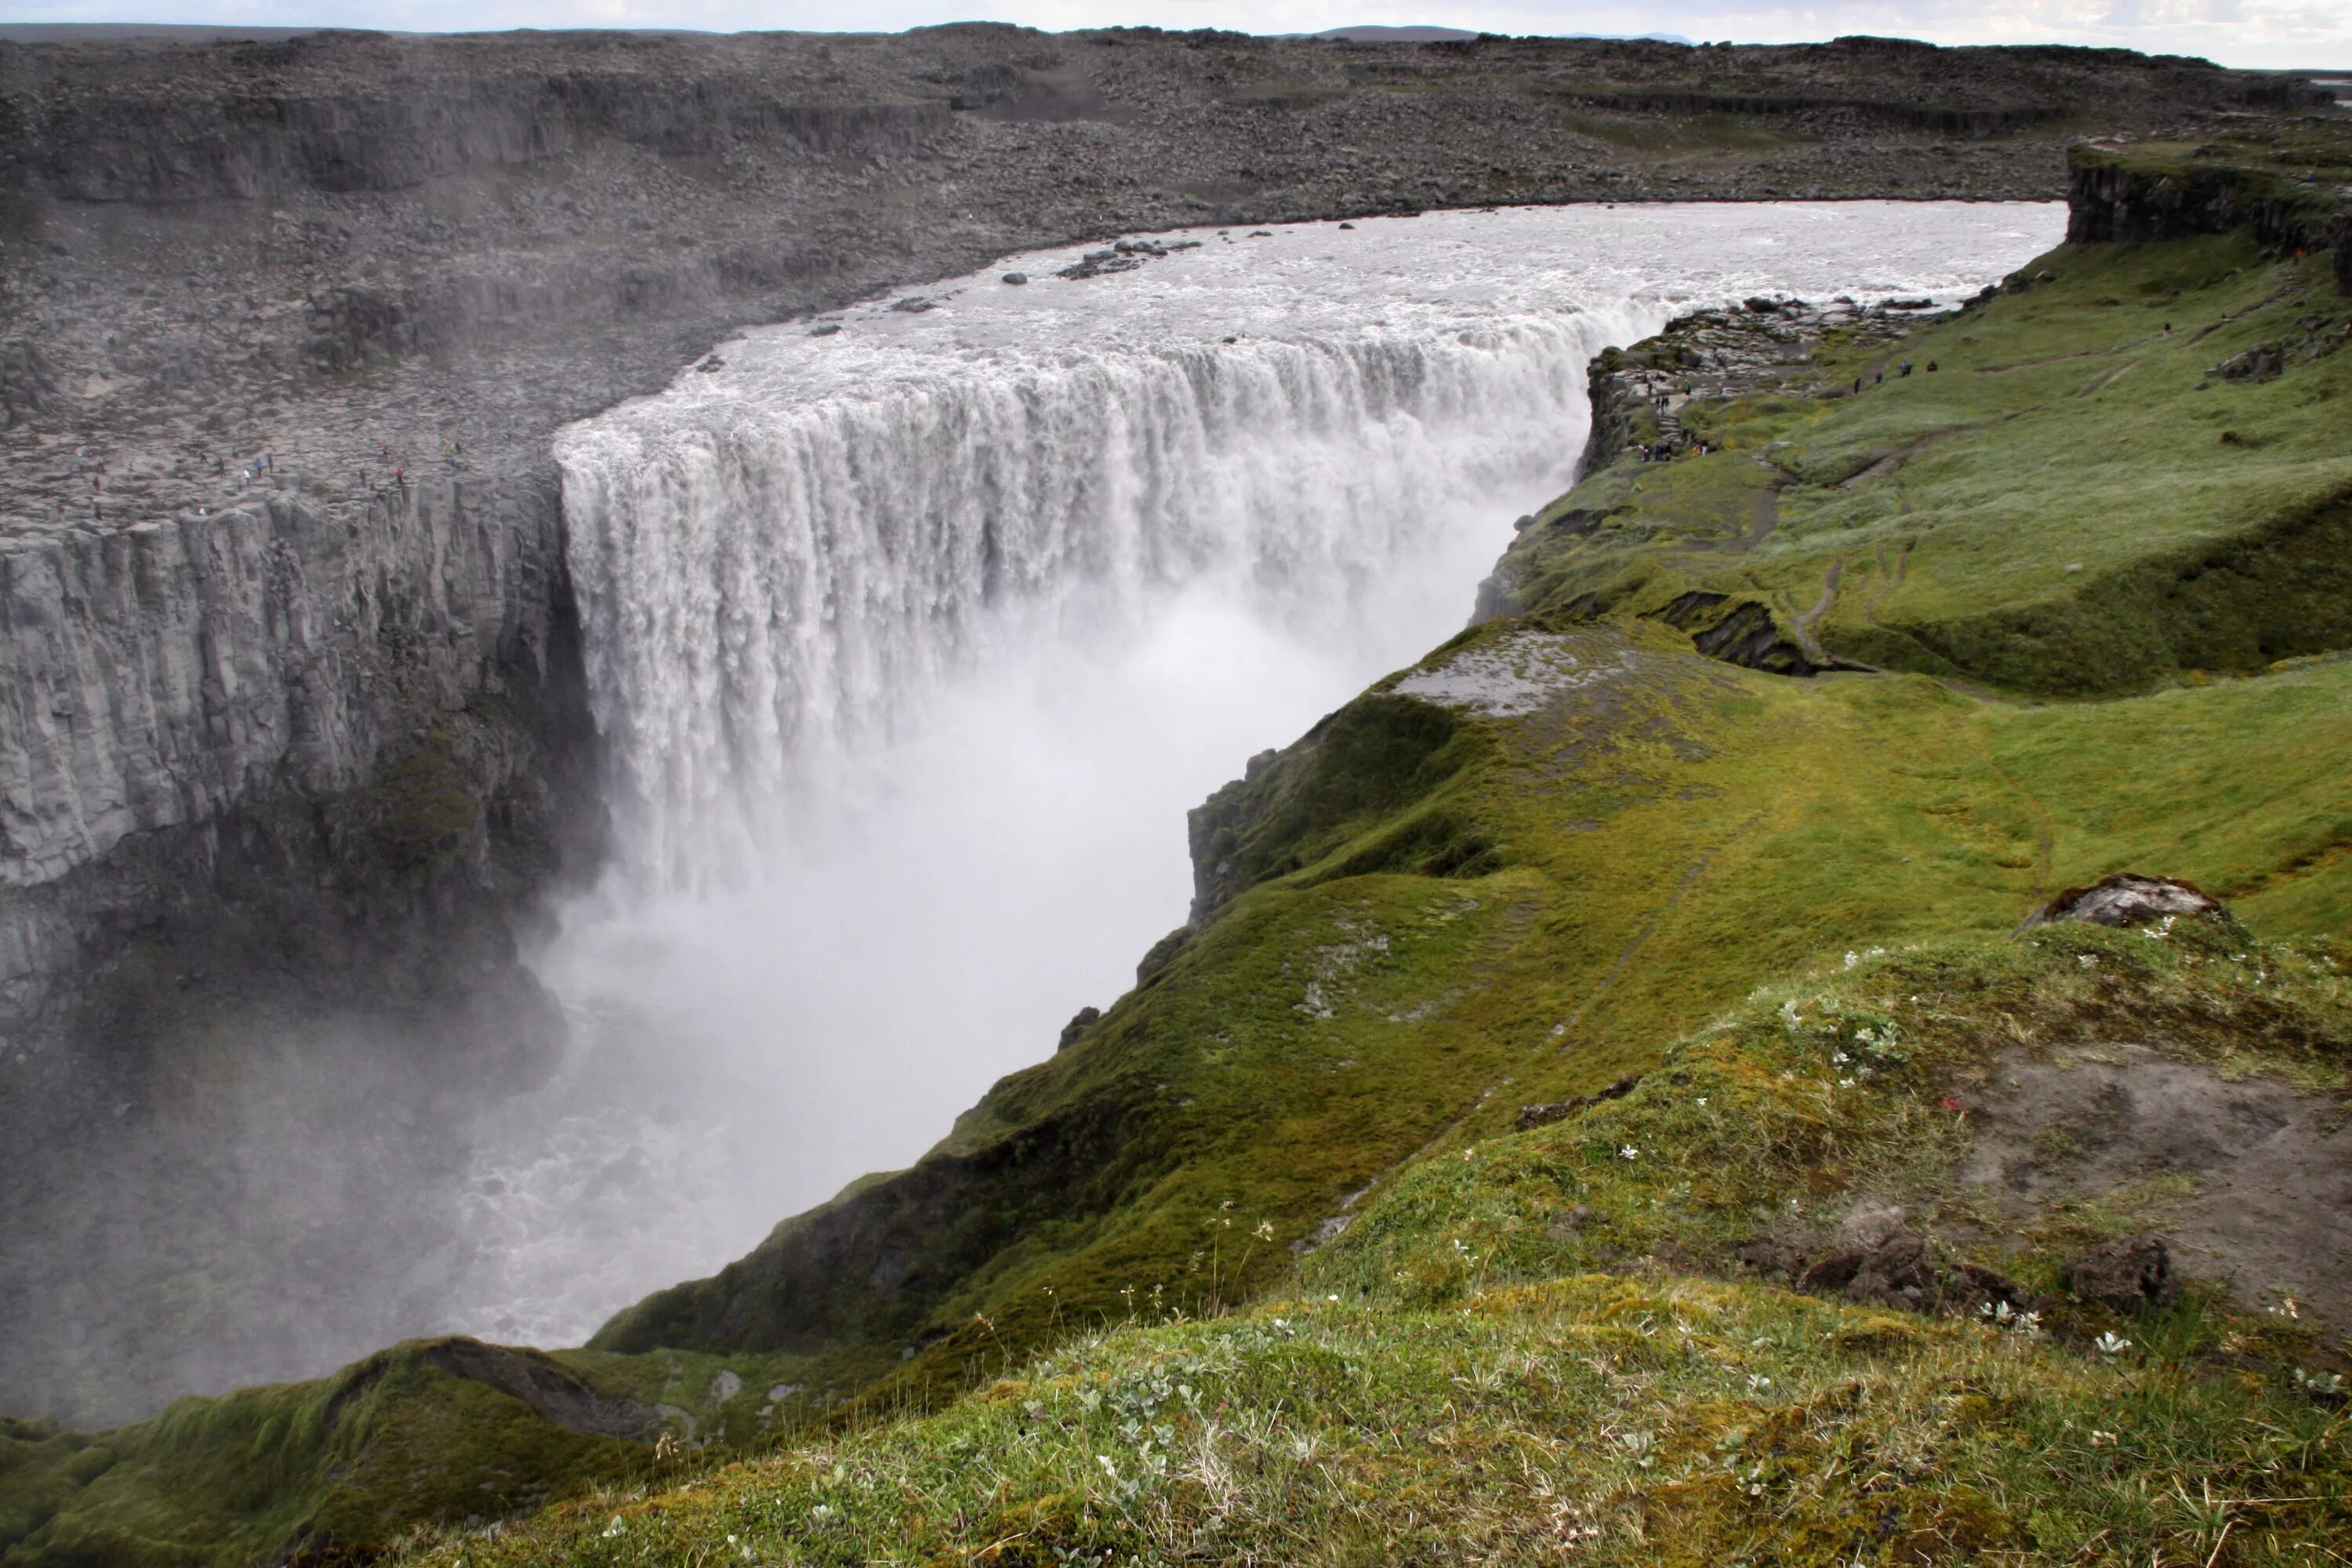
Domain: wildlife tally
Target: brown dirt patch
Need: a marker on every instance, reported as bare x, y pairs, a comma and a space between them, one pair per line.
2270, 1212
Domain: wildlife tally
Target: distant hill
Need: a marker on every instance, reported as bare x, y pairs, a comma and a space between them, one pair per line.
198, 32
161, 32
1380, 35
1397, 35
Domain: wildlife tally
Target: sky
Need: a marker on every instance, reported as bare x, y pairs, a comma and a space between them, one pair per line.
2274, 33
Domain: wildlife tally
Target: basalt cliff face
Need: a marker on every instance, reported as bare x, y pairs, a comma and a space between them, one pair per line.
180, 668
283, 783
302, 748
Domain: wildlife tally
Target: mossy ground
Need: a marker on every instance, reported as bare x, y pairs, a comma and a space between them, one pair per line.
356, 1457
1601, 1419
1848, 1088
2069, 504
1514, 874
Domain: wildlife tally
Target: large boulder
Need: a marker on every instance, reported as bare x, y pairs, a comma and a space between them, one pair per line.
2126, 899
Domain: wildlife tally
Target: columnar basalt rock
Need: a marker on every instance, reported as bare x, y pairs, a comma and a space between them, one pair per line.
161, 676
2119, 195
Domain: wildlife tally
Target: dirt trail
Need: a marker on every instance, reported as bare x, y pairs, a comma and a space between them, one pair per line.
1764, 516
1893, 461
1804, 621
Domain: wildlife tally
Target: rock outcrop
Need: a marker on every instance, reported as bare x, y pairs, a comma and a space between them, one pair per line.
160, 673
2115, 196
2129, 899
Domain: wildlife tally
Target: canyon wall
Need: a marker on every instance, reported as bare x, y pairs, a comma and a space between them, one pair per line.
167, 674
2118, 196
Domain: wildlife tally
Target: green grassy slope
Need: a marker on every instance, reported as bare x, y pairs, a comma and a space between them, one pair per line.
1515, 873
357, 1457
1517, 1356
1586, 881
2071, 504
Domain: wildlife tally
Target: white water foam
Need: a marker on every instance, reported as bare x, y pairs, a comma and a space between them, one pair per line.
912, 642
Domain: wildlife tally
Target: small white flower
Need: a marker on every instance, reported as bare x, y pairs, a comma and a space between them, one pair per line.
1629, 1152
2111, 1344
1852, 959
1701, 1100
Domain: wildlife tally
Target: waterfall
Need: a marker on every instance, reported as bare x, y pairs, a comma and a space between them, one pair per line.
913, 633
765, 586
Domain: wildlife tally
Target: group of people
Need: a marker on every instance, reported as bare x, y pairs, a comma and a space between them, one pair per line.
92, 467
453, 454
1661, 451
1878, 377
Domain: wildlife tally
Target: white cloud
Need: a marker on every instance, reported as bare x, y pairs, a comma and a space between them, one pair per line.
2259, 33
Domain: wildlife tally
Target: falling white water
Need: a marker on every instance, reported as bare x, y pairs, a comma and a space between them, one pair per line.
910, 644
771, 581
